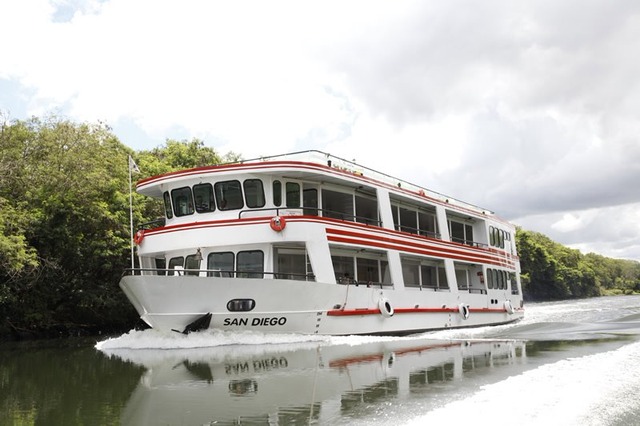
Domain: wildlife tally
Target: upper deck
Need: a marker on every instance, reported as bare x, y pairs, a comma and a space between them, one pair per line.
311, 164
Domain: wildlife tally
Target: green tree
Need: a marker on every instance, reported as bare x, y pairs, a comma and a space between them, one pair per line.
64, 193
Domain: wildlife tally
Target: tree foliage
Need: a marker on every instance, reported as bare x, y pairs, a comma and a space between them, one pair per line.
551, 271
64, 221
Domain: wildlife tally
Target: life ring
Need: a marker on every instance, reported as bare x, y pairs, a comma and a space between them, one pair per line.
277, 223
386, 310
508, 307
138, 237
464, 311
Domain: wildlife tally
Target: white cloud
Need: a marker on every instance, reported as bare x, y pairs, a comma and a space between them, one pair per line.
526, 108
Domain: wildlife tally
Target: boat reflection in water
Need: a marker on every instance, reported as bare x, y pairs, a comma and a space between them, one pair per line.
299, 383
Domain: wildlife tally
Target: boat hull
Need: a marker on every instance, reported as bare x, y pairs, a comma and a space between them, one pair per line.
289, 306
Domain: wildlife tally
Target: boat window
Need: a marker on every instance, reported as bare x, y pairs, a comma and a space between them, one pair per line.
396, 220
250, 264
442, 277
292, 264
193, 262
513, 282
411, 273
337, 205
161, 265
220, 264
497, 237
462, 277
457, 231
254, 193
277, 193
429, 276
229, 195
367, 210
241, 305
293, 194
176, 263
203, 193
468, 234
182, 201
344, 269
490, 278
427, 224
167, 205
408, 220
310, 201
368, 271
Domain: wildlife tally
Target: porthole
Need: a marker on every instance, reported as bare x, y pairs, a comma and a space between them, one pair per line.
241, 305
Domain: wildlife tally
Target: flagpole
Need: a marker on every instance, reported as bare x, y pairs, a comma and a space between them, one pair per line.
131, 214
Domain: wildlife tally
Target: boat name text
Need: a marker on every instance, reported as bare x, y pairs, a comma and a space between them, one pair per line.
256, 322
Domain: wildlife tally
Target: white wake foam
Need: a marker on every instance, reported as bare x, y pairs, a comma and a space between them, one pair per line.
591, 390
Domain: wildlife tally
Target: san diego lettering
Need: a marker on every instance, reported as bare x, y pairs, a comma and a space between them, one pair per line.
256, 322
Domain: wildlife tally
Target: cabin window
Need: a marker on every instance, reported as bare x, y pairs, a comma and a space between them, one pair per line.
427, 224
411, 273
429, 276
442, 277
513, 281
293, 264
497, 237
167, 205
394, 213
462, 277
277, 193
337, 205
193, 262
367, 210
176, 263
408, 221
293, 194
250, 264
500, 280
229, 195
368, 270
161, 265
254, 193
220, 264
203, 194
310, 201
182, 201
344, 269
457, 231
360, 267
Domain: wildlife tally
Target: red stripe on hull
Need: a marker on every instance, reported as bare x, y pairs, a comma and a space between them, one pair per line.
376, 311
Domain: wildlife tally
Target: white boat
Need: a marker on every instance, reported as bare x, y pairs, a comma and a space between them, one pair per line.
311, 243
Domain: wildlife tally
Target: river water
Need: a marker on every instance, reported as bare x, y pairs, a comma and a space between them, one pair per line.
566, 363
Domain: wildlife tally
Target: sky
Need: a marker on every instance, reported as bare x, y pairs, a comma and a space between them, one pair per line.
530, 109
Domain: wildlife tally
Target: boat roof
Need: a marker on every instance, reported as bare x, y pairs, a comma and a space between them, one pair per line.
308, 162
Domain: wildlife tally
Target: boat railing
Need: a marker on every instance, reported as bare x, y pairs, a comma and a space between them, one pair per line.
314, 211
358, 283
348, 166
422, 232
218, 273
422, 287
469, 242
157, 223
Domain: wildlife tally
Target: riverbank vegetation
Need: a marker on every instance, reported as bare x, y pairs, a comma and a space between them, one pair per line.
64, 230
